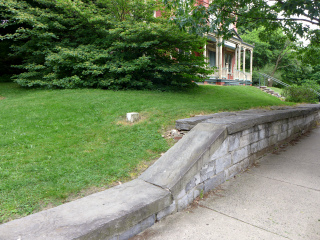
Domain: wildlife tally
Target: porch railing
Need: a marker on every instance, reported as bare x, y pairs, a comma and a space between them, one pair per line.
266, 76
243, 75
232, 75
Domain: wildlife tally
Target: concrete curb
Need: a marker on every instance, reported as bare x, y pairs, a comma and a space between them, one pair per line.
218, 147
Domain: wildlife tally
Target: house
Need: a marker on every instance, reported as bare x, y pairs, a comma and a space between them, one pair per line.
228, 58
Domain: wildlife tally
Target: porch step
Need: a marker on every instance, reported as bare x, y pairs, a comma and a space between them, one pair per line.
269, 91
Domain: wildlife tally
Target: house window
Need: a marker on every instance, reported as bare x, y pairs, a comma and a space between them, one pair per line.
212, 58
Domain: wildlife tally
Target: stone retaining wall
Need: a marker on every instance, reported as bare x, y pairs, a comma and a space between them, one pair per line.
217, 147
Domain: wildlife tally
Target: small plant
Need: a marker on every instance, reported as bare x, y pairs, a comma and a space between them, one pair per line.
201, 194
300, 94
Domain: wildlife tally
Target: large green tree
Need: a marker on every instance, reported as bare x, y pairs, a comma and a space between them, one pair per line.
102, 43
286, 14
274, 49
307, 67
272, 53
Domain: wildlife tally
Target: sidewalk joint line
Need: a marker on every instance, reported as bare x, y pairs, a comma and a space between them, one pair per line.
297, 185
242, 221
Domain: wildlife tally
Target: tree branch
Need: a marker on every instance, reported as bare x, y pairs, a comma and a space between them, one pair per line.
273, 19
303, 14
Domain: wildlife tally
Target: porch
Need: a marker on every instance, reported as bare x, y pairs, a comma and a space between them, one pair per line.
229, 60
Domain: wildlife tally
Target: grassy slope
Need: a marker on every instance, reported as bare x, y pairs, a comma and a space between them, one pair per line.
277, 90
56, 143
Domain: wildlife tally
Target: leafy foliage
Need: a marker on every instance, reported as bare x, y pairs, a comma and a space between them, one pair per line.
307, 64
220, 14
300, 94
105, 44
274, 49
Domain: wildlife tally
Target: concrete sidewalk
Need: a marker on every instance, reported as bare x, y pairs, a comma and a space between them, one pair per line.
279, 198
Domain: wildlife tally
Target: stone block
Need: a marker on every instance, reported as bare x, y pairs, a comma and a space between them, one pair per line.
267, 129
284, 127
290, 132
211, 166
240, 154
221, 151
188, 198
193, 182
290, 124
254, 137
190, 185
203, 175
234, 141
98, 216
264, 143
182, 203
197, 179
181, 194
258, 146
167, 211
283, 136
254, 147
223, 162
211, 174
197, 190
236, 168
262, 134
133, 117
244, 140
189, 123
247, 131
309, 119
275, 128
298, 121
138, 228
214, 182
273, 140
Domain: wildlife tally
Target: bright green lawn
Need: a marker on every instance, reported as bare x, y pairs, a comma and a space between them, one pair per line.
57, 144
277, 90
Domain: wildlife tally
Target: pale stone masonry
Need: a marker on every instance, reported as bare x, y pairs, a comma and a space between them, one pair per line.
217, 148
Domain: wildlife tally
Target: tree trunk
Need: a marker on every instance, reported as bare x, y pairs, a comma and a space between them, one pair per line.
281, 55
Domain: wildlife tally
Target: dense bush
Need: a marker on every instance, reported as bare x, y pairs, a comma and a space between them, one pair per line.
105, 44
300, 94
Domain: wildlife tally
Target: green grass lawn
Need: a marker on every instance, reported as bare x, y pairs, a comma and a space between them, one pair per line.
277, 90
57, 145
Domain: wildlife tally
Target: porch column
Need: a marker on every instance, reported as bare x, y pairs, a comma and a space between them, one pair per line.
217, 53
235, 68
220, 59
205, 53
251, 59
239, 59
244, 60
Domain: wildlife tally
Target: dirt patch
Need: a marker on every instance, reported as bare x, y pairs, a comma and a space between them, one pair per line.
1, 98
123, 121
